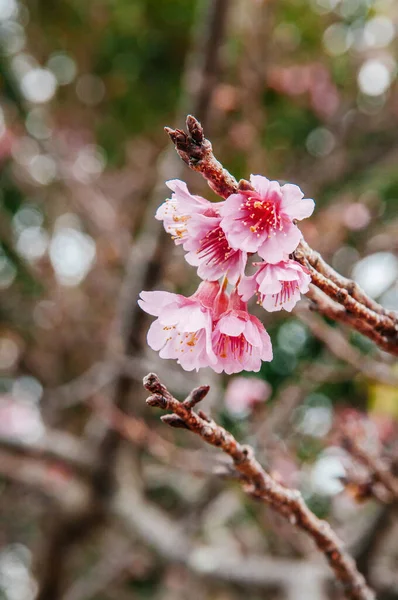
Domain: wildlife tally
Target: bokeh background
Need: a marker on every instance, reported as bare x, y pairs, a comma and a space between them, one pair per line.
95, 504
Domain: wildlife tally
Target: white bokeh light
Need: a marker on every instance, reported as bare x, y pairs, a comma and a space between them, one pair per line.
16, 581
27, 216
20, 418
89, 164
379, 32
27, 389
326, 474
24, 149
8, 9
43, 169
374, 78
316, 421
376, 273
38, 85
320, 142
32, 243
12, 37
63, 67
72, 254
337, 39
324, 6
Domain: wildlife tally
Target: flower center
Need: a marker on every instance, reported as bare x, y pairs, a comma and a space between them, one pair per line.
215, 248
288, 290
235, 347
261, 215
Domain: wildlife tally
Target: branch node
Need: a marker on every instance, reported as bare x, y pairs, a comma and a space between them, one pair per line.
196, 396
195, 129
174, 421
203, 416
157, 400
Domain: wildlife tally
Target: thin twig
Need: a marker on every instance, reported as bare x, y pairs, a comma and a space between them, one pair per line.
287, 502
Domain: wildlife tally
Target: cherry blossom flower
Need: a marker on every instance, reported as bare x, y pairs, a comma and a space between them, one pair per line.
195, 223
210, 252
183, 328
176, 211
276, 285
239, 340
243, 393
262, 220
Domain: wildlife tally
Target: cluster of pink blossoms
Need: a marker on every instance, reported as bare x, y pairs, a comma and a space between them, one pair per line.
211, 328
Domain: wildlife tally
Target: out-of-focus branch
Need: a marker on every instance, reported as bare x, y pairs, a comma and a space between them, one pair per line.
141, 435
378, 469
260, 484
324, 305
104, 373
347, 301
381, 323
167, 538
337, 343
52, 447
352, 288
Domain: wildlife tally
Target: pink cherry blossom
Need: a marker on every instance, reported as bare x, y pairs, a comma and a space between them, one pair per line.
240, 340
195, 223
277, 286
243, 393
262, 220
210, 252
183, 328
176, 211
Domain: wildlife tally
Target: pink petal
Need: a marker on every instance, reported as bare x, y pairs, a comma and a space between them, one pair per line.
260, 183
156, 336
247, 287
293, 203
154, 302
231, 325
252, 333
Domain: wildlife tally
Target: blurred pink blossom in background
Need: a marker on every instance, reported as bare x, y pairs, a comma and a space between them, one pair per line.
243, 393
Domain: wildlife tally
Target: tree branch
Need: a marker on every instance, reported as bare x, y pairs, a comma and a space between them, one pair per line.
260, 484
350, 303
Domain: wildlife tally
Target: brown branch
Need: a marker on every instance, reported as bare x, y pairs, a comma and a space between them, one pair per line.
286, 502
353, 289
323, 304
381, 323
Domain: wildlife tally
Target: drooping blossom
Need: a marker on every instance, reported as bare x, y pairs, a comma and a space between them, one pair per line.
176, 211
208, 249
240, 341
261, 220
243, 393
195, 223
183, 328
277, 285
